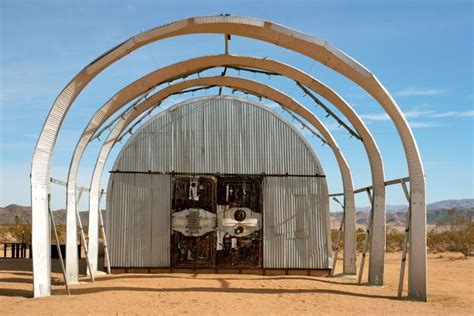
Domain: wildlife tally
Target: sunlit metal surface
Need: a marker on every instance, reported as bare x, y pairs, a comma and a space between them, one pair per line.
220, 134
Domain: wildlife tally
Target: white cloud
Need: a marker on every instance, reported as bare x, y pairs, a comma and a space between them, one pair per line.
375, 117
385, 117
455, 114
420, 114
418, 92
416, 114
418, 124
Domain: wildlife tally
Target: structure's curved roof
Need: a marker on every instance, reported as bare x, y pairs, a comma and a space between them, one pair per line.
193, 136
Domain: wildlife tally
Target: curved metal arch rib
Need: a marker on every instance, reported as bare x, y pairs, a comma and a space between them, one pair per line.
230, 82
253, 28
369, 143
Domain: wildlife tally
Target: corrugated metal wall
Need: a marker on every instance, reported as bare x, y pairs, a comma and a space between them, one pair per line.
219, 134
296, 223
138, 222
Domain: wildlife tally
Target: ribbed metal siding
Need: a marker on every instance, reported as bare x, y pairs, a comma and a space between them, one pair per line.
228, 135
296, 223
139, 220
218, 134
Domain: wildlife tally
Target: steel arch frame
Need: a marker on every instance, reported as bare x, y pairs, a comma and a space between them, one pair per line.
179, 70
320, 88
251, 86
247, 27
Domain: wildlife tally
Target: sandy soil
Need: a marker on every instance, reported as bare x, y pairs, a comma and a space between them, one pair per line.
451, 280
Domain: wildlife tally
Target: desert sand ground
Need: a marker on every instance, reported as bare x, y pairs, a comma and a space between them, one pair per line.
451, 291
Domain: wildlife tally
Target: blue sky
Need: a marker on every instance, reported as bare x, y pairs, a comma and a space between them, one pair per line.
420, 50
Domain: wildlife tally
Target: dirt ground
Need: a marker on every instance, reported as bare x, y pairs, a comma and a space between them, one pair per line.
451, 291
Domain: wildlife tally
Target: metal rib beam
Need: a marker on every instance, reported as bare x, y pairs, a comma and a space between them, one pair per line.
229, 82
196, 65
253, 28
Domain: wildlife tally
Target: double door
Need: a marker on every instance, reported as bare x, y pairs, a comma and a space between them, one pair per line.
216, 221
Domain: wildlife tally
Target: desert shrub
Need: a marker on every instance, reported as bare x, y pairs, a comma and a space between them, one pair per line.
334, 233
458, 238
437, 241
394, 239
360, 239
19, 231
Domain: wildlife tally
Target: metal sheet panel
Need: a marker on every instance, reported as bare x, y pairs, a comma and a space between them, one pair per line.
138, 225
219, 134
226, 134
296, 223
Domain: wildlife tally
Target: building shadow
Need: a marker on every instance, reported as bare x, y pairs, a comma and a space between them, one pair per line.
223, 289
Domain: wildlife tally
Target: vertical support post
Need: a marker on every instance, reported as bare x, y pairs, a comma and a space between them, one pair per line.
72, 260
93, 241
227, 39
349, 258
417, 278
367, 236
405, 239
102, 227
84, 245
377, 239
40, 240
339, 235
58, 247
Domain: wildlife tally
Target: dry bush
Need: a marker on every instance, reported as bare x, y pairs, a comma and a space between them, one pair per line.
16, 232
458, 238
360, 239
394, 239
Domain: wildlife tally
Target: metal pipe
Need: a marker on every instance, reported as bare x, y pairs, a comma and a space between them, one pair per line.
58, 247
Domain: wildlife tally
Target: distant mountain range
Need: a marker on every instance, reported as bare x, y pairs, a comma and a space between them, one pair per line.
8, 215
440, 205
439, 213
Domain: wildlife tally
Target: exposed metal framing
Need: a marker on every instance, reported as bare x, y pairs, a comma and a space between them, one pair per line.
224, 71
254, 88
102, 228
64, 184
58, 248
367, 235
140, 119
372, 151
128, 109
257, 29
364, 189
79, 222
305, 126
339, 236
84, 245
275, 68
328, 111
406, 239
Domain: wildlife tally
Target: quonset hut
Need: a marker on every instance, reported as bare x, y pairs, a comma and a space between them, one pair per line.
219, 182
